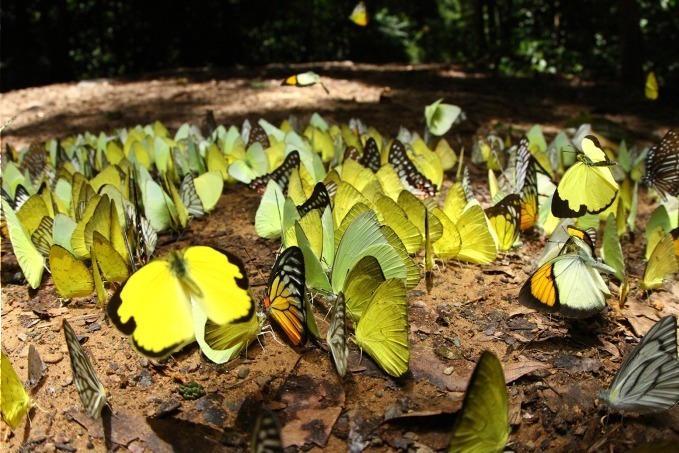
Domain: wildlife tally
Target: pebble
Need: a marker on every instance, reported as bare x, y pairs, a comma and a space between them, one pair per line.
52, 357
22, 336
144, 362
61, 439
243, 372
448, 371
378, 393
68, 381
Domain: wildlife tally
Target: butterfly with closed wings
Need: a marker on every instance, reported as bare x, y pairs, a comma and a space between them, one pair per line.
648, 379
662, 165
280, 175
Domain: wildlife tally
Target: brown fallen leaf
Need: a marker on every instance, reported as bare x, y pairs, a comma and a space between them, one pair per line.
516, 370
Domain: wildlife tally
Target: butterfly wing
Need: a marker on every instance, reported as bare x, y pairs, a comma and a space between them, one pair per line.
280, 175
319, 199
266, 436
526, 185
661, 263
221, 343
15, 402
648, 380
383, 329
70, 276
483, 425
371, 156
91, 390
285, 295
651, 87
337, 336
662, 165
410, 177
477, 244
505, 218
29, 258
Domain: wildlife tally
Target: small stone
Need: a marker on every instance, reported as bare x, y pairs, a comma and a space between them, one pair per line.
448, 371
68, 381
22, 336
243, 372
113, 366
144, 362
52, 358
378, 393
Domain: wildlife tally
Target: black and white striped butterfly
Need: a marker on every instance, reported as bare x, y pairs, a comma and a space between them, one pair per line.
411, 178
190, 197
91, 390
337, 335
648, 380
281, 174
319, 199
662, 165
266, 437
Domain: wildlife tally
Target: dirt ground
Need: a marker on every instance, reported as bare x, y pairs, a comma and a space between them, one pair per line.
553, 366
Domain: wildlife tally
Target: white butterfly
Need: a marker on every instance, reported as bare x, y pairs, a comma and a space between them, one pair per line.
648, 380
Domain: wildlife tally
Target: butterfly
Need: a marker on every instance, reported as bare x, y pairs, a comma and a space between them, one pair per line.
266, 436
410, 177
662, 165
663, 261
30, 260
91, 390
221, 343
337, 335
383, 328
21, 195
15, 402
441, 117
319, 199
505, 218
568, 283
160, 294
258, 134
588, 186
36, 367
359, 15
526, 184
483, 424
305, 79
280, 175
71, 276
371, 155
651, 87
648, 379
286, 294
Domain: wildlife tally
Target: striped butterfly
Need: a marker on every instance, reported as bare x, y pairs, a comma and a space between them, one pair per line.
91, 390
526, 184
281, 174
411, 178
648, 380
337, 335
285, 295
266, 437
662, 165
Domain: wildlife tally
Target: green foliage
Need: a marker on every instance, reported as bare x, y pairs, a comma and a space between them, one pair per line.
69, 39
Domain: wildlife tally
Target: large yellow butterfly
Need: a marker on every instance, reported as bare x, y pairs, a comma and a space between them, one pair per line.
154, 305
588, 186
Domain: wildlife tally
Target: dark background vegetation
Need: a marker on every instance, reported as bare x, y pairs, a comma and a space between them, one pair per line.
46, 41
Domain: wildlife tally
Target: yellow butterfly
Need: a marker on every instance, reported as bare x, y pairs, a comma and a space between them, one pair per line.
15, 402
651, 87
153, 306
588, 186
505, 218
359, 15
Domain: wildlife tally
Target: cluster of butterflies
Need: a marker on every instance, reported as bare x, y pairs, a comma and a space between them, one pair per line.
351, 209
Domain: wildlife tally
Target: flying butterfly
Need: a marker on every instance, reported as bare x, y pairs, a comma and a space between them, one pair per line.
483, 424
337, 335
91, 390
648, 379
411, 178
153, 306
505, 218
588, 186
305, 79
266, 437
651, 87
662, 165
359, 15
286, 294
569, 284
319, 199
15, 402
280, 175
